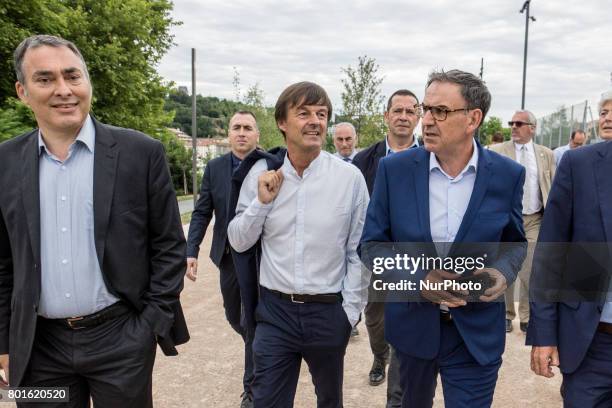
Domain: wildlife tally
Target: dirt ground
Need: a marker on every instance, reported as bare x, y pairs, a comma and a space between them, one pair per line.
208, 371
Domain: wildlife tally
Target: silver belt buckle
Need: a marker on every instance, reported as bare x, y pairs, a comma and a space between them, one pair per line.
295, 301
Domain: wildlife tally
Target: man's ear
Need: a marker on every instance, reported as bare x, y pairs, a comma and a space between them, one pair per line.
282, 125
22, 92
476, 118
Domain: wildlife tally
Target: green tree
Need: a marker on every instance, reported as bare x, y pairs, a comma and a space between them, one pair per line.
362, 100
489, 127
122, 42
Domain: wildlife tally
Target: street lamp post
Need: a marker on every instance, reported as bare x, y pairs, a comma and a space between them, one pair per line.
527, 18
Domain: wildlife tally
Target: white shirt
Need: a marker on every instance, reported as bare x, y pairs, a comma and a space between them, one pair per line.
310, 232
559, 151
448, 200
350, 156
532, 201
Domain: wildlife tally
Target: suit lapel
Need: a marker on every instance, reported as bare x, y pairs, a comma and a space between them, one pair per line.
227, 177
510, 152
105, 169
603, 169
30, 191
483, 175
421, 183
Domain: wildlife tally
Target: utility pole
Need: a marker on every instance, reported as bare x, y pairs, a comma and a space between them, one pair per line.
527, 18
194, 131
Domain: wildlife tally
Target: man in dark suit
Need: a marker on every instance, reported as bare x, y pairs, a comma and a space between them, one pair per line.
243, 136
91, 245
401, 117
571, 325
446, 193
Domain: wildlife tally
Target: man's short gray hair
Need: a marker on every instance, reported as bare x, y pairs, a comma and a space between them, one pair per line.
530, 116
473, 89
605, 98
347, 124
36, 41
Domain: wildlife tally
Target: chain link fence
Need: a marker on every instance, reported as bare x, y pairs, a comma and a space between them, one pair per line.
554, 130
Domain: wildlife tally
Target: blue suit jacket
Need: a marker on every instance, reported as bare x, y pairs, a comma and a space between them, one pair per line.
579, 210
399, 212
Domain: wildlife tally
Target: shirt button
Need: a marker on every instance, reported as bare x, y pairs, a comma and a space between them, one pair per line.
63, 168
64, 261
64, 229
63, 198
67, 295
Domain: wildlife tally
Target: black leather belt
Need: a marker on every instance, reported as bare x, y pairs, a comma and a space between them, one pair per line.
298, 298
445, 317
94, 319
604, 327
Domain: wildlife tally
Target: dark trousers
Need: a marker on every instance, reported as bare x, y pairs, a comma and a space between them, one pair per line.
230, 292
111, 362
590, 385
466, 383
375, 324
288, 332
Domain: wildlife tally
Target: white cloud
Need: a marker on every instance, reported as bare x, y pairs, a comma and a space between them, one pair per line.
277, 43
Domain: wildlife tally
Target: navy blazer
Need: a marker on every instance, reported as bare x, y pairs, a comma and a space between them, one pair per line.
399, 212
214, 197
579, 210
367, 161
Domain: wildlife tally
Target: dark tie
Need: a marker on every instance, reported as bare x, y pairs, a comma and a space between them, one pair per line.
346, 159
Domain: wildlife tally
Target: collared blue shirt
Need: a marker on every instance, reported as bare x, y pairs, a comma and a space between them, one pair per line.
390, 150
448, 199
71, 279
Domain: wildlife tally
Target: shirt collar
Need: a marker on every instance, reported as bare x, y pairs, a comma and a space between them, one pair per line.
528, 146
86, 135
388, 150
472, 164
288, 167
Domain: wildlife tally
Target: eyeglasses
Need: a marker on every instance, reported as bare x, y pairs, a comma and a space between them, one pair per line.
439, 113
518, 123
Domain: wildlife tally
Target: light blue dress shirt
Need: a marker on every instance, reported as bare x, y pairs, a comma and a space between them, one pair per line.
389, 150
448, 200
71, 278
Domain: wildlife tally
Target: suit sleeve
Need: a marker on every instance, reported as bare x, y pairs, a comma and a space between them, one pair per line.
549, 260
167, 247
201, 216
514, 243
6, 286
247, 225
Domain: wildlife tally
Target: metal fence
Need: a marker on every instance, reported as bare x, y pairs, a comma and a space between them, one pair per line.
554, 130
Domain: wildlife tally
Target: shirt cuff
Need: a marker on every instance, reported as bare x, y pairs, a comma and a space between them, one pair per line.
351, 314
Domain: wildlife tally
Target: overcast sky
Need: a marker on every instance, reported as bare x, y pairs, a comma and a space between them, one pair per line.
277, 43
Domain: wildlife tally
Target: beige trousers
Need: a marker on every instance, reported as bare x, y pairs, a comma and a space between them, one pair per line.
531, 224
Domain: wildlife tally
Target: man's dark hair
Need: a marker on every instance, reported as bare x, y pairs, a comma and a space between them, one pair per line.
36, 41
300, 94
400, 92
497, 137
473, 89
573, 135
